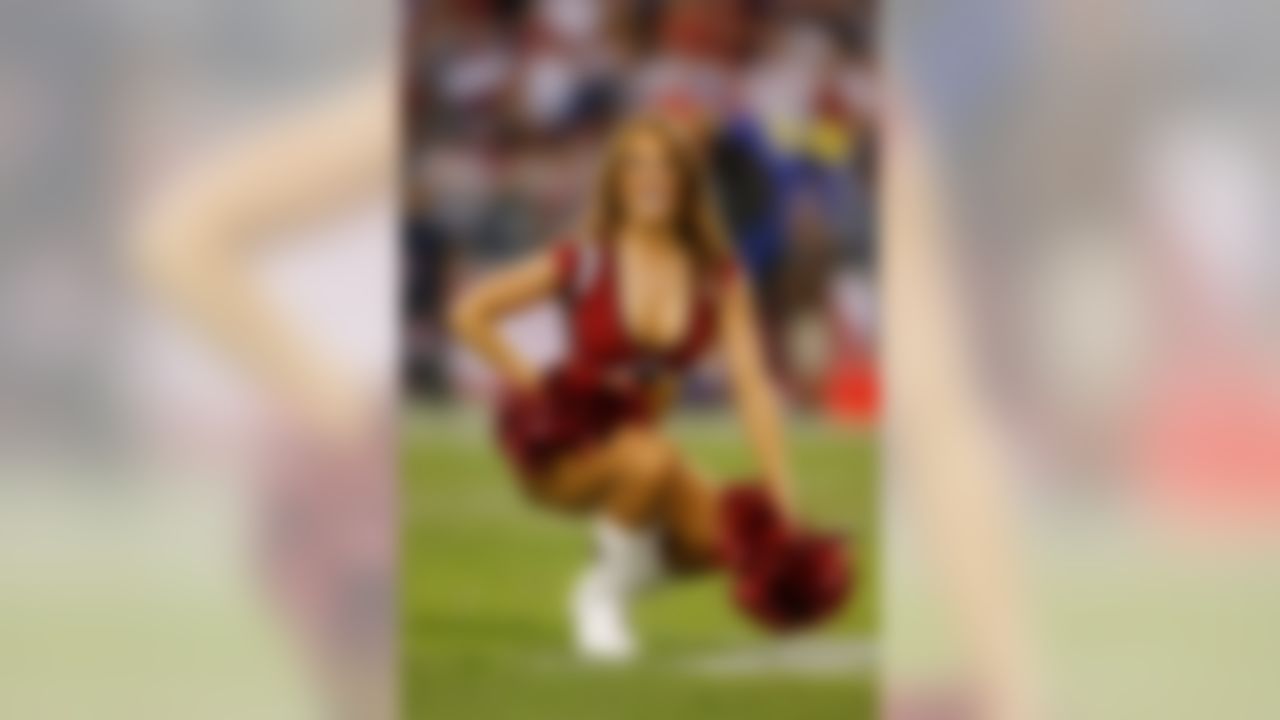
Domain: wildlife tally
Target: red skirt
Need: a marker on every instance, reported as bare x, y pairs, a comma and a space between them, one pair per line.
567, 412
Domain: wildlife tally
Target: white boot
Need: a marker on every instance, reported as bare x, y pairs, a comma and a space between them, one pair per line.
627, 562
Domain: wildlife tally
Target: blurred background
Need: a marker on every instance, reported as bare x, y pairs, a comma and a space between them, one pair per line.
179, 536
508, 107
1085, 472
1078, 347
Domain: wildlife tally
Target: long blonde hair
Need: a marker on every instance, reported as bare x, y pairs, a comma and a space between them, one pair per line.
697, 220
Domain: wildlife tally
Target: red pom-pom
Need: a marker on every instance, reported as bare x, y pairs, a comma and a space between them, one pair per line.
784, 577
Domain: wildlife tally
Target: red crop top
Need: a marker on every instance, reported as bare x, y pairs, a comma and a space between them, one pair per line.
600, 344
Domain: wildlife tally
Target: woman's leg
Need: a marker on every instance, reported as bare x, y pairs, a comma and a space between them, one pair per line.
653, 514
690, 516
639, 480
660, 488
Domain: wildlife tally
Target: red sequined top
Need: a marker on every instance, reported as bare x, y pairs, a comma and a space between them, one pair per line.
600, 346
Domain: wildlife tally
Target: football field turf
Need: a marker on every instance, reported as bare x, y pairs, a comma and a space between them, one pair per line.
485, 577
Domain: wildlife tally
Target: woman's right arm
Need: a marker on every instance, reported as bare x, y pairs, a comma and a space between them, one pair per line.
475, 315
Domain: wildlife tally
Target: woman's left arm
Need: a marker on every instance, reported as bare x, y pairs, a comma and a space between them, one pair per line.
753, 392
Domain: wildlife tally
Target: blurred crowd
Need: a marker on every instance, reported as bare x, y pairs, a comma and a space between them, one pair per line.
510, 101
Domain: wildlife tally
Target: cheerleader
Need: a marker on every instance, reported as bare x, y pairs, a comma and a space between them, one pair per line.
648, 287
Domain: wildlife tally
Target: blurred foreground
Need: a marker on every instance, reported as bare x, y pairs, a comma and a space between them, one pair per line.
1080, 300
1083, 359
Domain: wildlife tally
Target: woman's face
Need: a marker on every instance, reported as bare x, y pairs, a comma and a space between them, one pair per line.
648, 181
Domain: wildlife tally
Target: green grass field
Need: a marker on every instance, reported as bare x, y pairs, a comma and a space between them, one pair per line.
485, 576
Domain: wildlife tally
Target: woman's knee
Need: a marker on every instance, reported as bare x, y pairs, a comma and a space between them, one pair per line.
646, 457
576, 482
631, 475
645, 465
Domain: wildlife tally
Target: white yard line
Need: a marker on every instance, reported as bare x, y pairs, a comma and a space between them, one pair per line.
809, 656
